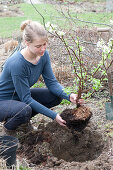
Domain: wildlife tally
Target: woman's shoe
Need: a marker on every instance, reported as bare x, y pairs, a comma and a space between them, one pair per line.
7, 132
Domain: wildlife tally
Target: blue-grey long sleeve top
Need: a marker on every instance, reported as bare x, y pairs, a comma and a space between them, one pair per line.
19, 75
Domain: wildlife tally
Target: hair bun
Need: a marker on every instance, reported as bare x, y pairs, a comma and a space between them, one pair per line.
24, 24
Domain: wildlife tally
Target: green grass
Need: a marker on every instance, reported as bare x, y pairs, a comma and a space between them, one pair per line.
38, 85
8, 25
45, 9
103, 18
23, 168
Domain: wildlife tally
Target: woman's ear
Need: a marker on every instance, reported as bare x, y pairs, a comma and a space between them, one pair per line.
27, 43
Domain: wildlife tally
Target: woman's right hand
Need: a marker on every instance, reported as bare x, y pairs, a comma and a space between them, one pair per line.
60, 120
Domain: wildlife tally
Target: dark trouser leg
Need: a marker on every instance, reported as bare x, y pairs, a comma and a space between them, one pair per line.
14, 113
45, 97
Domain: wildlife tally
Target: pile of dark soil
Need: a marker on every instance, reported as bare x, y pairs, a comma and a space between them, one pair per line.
53, 144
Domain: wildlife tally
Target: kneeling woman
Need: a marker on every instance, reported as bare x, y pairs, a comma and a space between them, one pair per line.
18, 101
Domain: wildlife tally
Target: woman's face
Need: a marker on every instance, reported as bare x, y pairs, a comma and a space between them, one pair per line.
38, 46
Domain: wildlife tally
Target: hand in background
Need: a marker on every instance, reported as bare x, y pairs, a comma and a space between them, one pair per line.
73, 99
60, 120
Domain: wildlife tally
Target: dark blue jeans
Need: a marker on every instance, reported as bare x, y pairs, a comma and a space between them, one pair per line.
15, 113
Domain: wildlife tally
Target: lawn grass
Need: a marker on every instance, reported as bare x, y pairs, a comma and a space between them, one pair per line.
99, 18
8, 25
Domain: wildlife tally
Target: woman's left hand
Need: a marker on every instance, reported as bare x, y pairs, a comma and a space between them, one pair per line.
73, 99
60, 120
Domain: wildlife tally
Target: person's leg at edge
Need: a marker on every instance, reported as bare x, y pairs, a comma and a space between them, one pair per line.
14, 113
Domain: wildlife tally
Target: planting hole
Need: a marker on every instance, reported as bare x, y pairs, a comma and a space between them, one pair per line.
57, 141
81, 147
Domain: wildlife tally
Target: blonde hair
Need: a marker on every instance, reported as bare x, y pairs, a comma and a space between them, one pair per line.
31, 29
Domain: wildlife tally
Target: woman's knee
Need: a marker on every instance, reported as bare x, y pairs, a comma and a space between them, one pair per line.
23, 113
20, 114
26, 113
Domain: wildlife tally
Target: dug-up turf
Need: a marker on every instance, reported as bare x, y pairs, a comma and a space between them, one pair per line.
56, 147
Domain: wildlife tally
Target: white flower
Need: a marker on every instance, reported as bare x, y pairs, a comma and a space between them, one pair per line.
111, 21
106, 49
61, 33
76, 41
48, 24
82, 48
5, 6
50, 30
53, 26
110, 43
100, 43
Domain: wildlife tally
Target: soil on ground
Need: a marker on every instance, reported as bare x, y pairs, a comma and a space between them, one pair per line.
55, 147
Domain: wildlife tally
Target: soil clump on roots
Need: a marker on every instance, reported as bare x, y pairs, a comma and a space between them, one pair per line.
77, 118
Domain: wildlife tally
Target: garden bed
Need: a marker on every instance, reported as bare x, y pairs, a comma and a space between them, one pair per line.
55, 147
